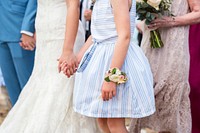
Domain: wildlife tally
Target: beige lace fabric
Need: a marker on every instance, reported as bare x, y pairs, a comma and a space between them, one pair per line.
170, 67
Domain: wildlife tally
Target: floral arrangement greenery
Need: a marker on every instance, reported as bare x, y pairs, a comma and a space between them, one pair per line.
116, 76
149, 10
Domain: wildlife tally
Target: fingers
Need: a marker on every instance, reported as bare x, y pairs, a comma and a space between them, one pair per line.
114, 93
154, 26
64, 66
28, 42
108, 94
67, 73
27, 46
68, 64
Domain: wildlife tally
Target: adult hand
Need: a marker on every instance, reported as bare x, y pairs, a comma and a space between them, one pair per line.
68, 63
108, 90
27, 42
88, 14
139, 26
164, 22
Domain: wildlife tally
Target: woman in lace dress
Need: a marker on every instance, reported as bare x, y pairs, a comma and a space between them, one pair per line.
45, 104
170, 66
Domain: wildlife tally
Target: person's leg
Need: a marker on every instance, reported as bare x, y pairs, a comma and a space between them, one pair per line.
23, 61
117, 125
102, 122
9, 72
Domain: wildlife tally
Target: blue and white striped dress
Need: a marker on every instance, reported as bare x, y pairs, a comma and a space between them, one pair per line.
135, 98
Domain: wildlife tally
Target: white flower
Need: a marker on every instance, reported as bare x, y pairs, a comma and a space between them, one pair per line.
139, 1
154, 3
118, 72
114, 78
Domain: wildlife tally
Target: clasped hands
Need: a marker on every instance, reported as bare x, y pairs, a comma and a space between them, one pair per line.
68, 63
28, 42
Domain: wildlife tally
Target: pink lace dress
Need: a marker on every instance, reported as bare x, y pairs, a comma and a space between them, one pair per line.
170, 67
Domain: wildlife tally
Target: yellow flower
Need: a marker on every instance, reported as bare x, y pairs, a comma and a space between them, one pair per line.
154, 3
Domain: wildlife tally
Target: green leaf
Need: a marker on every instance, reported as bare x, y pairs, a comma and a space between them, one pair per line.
153, 17
107, 79
114, 70
147, 22
148, 14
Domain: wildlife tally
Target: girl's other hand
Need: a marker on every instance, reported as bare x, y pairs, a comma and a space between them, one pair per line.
108, 90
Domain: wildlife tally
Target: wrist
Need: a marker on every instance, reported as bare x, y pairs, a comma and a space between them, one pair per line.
116, 76
67, 51
174, 21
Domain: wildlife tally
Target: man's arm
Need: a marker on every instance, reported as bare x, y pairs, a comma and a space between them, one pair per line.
28, 26
28, 23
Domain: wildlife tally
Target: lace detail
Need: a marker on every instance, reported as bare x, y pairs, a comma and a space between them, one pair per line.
170, 67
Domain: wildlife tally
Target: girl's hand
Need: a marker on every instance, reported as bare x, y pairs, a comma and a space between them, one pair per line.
68, 63
108, 90
164, 22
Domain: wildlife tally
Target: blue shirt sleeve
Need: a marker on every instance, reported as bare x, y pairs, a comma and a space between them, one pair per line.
28, 23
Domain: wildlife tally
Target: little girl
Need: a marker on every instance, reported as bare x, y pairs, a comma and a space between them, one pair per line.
114, 79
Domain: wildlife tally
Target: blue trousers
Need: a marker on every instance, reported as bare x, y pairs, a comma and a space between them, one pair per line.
16, 65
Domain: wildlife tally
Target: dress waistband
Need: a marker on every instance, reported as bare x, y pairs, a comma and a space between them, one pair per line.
106, 41
87, 57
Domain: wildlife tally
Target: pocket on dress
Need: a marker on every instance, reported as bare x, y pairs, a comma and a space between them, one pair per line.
19, 7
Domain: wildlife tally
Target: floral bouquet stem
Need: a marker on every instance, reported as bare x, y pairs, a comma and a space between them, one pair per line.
155, 39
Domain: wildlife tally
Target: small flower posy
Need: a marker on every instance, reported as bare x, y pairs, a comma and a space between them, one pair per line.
116, 76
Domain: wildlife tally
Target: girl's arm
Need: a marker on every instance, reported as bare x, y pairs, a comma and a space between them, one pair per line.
122, 21
68, 61
87, 44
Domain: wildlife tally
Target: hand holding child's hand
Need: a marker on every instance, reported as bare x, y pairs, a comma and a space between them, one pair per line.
108, 90
68, 63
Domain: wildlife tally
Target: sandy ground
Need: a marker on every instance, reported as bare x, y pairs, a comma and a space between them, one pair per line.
5, 105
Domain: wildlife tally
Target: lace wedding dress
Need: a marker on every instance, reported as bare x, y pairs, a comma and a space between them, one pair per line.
45, 104
170, 67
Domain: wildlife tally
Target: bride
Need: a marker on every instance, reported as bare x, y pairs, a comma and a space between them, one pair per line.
45, 104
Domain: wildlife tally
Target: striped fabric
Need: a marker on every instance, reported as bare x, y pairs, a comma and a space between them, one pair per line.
135, 98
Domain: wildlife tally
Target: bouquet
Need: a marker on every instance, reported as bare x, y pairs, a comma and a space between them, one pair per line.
149, 10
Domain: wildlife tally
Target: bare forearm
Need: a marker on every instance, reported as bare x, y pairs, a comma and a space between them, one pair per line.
120, 52
72, 23
187, 19
84, 48
191, 18
122, 21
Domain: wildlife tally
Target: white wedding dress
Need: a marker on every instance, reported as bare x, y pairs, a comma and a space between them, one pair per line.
45, 104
